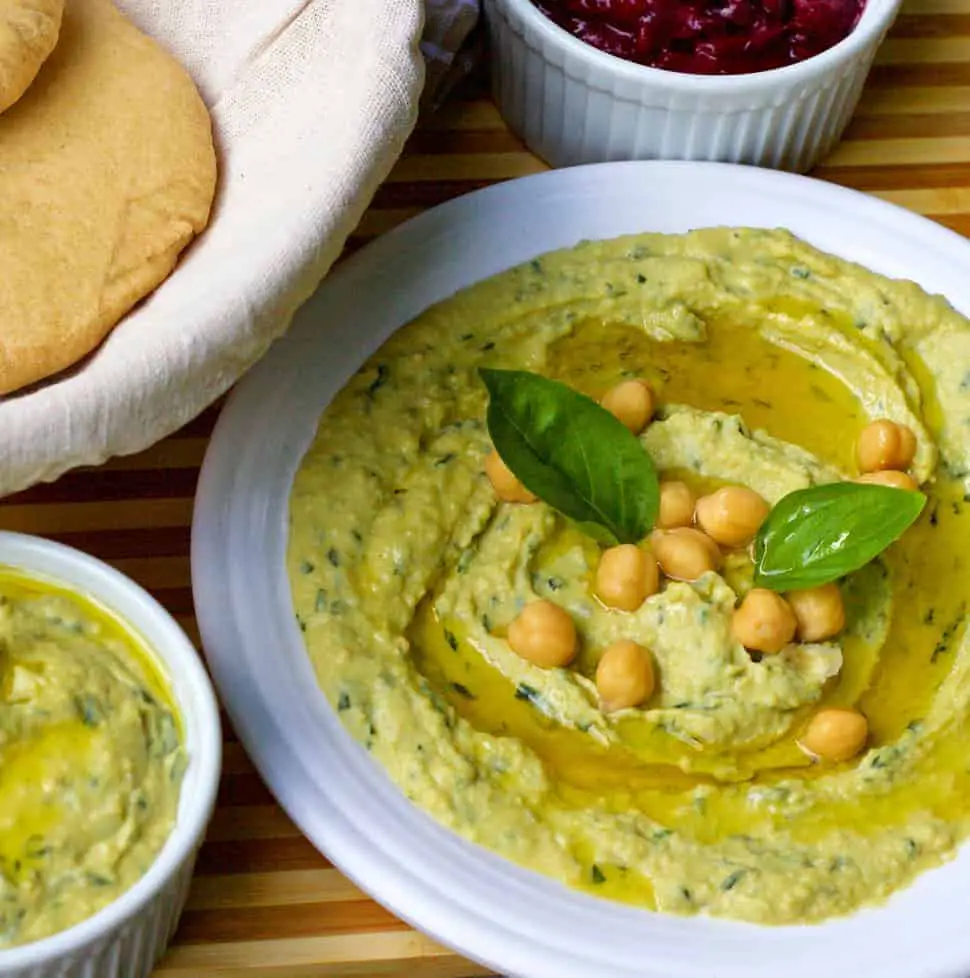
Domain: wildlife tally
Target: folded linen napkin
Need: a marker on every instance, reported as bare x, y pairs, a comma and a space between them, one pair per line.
311, 101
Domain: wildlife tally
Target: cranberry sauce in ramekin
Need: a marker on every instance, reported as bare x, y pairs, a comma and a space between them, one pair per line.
708, 37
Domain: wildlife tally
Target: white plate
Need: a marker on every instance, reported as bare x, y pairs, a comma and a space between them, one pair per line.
513, 920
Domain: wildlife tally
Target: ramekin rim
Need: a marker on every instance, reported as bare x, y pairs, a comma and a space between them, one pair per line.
877, 15
191, 686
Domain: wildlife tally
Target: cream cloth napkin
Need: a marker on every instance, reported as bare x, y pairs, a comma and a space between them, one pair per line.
312, 101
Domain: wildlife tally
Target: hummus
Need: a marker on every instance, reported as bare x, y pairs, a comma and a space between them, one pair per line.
91, 760
768, 358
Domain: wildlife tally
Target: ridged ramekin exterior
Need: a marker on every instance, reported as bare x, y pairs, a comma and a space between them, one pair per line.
130, 951
573, 105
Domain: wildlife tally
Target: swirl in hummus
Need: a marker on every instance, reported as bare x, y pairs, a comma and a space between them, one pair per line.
91, 759
768, 358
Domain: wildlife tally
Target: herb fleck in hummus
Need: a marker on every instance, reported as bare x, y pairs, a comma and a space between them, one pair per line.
768, 358
91, 760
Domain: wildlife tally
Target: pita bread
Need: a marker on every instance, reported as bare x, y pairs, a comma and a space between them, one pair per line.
107, 172
28, 34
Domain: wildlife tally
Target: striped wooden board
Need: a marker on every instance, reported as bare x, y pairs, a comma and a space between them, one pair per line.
265, 904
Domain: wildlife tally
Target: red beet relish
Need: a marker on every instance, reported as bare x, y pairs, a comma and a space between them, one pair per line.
707, 37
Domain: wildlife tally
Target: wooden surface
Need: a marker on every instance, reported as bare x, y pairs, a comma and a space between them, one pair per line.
265, 904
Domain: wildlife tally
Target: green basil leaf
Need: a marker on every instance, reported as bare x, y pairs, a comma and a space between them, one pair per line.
572, 453
817, 535
599, 533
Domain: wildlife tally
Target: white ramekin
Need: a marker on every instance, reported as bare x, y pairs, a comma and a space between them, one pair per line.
126, 938
572, 103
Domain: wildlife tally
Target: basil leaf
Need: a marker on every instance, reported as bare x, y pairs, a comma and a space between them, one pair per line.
814, 536
572, 453
599, 533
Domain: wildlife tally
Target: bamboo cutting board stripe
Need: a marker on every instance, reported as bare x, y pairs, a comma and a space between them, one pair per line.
264, 903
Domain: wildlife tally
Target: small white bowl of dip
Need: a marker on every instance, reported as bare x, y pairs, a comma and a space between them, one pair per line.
126, 938
573, 103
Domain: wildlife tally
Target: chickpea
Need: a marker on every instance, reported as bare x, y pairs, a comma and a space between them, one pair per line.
631, 402
835, 734
884, 444
819, 612
685, 553
544, 634
506, 485
626, 577
676, 505
624, 676
891, 478
731, 516
764, 621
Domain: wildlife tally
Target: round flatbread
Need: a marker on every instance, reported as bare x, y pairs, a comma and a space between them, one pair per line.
28, 34
107, 172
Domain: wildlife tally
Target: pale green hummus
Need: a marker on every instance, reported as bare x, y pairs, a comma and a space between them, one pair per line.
768, 357
91, 760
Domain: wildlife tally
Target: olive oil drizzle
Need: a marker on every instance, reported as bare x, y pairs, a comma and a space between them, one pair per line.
736, 370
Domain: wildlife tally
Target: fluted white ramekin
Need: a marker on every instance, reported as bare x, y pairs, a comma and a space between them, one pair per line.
572, 103
126, 938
